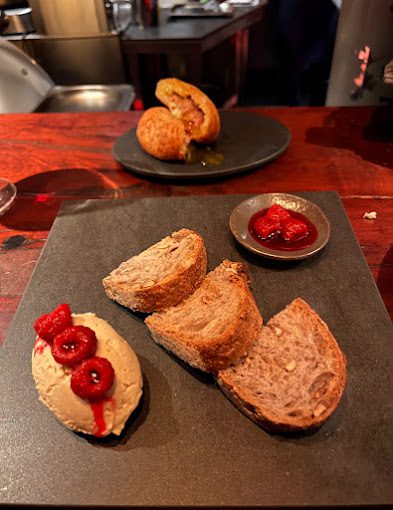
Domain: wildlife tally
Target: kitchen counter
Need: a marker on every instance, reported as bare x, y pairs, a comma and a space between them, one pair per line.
192, 29
190, 39
212, 51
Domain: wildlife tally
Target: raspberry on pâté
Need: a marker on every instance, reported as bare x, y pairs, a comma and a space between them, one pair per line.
51, 324
93, 378
73, 345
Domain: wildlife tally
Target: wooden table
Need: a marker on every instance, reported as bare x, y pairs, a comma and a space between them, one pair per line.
190, 38
56, 157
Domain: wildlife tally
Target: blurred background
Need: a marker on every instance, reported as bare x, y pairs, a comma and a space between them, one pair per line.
81, 55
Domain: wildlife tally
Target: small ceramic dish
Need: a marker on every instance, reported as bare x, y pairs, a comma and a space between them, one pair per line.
241, 215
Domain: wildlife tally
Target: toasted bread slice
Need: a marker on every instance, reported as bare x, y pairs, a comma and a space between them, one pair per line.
161, 276
162, 135
189, 104
293, 376
216, 325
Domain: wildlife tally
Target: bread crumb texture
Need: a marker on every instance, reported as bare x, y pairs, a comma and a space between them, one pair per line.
294, 374
162, 275
216, 325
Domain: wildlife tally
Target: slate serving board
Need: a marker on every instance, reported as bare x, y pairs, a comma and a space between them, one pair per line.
187, 444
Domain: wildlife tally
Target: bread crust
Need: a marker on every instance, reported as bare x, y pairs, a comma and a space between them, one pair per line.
167, 291
161, 135
209, 129
324, 404
223, 347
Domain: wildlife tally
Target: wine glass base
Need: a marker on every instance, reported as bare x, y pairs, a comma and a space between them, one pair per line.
7, 194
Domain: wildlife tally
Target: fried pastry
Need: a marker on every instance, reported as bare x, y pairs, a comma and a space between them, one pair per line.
189, 104
162, 135
166, 133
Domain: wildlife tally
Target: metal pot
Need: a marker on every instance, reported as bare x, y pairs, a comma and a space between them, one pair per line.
20, 21
120, 14
10, 4
123, 13
4, 22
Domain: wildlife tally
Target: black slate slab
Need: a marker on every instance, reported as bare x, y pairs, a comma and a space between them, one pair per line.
187, 444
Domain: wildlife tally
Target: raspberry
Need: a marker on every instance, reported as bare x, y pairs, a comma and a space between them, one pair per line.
93, 378
74, 344
293, 230
277, 213
51, 324
265, 227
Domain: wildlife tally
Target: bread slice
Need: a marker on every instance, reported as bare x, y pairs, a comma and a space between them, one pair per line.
161, 135
161, 276
189, 104
294, 375
216, 325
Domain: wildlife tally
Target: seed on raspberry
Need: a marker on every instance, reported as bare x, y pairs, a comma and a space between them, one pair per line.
51, 324
73, 345
93, 378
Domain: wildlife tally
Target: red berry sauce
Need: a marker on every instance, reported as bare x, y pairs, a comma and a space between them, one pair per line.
98, 413
39, 346
275, 241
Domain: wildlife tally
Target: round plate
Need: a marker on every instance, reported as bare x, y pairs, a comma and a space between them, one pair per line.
7, 194
241, 215
246, 141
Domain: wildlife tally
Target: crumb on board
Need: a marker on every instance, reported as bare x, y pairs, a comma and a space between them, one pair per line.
370, 215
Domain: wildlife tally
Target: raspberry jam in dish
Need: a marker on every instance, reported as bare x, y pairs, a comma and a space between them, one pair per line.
281, 229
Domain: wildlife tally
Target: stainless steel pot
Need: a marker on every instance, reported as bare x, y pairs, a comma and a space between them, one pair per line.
4, 22
10, 4
20, 21
122, 13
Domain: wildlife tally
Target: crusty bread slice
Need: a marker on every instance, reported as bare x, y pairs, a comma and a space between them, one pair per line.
293, 376
216, 325
161, 276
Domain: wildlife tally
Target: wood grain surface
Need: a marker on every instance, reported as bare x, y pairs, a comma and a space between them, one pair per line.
56, 157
